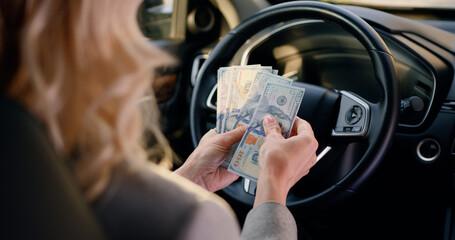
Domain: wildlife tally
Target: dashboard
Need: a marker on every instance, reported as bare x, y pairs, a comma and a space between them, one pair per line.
324, 54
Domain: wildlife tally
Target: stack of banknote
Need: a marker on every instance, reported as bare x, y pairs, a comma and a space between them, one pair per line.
246, 94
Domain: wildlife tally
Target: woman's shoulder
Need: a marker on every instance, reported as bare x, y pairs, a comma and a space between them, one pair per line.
147, 200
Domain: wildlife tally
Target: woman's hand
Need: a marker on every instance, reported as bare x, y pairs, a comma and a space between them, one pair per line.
283, 162
203, 165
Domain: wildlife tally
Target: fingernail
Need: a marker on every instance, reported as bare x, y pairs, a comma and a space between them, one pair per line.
268, 119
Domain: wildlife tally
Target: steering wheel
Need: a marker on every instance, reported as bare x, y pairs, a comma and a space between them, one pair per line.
354, 134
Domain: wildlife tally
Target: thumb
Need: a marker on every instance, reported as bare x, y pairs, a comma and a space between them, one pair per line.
234, 136
271, 125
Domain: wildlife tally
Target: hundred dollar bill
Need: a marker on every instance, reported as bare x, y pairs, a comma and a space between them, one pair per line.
254, 95
233, 88
222, 96
241, 79
226, 77
280, 101
249, 107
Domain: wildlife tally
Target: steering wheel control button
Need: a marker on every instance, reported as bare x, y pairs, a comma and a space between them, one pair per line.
353, 115
356, 129
428, 150
339, 129
348, 129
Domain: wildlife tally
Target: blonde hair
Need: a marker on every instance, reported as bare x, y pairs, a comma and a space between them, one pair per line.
83, 66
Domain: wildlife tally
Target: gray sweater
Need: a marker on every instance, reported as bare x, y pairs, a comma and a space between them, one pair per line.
148, 202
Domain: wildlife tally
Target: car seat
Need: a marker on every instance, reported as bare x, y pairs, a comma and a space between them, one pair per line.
39, 196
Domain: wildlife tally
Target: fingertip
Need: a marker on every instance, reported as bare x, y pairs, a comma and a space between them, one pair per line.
235, 135
268, 119
212, 132
209, 134
242, 128
270, 125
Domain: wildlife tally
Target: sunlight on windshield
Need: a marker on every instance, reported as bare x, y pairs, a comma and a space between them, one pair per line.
155, 18
168, 4
447, 4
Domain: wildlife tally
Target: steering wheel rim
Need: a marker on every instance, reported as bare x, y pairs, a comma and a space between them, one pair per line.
384, 114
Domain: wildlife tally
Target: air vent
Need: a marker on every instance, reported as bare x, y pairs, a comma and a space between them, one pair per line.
201, 20
197, 64
449, 105
426, 88
453, 147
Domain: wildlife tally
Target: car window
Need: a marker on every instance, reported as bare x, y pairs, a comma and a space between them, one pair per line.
155, 18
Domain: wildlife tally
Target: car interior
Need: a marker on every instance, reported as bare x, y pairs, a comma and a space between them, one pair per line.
393, 180
390, 176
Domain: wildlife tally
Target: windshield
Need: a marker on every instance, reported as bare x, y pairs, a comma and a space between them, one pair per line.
155, 18
433, 4
394, 4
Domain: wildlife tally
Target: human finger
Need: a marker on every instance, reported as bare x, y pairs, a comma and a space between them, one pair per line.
234, 136
294, 126
302, 127
209, 134
271, 126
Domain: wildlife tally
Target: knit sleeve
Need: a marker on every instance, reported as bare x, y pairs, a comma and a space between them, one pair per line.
269, 220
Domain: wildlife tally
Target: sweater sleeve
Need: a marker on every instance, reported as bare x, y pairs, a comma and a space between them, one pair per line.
269, 220
211, 220
148, 202
152, 203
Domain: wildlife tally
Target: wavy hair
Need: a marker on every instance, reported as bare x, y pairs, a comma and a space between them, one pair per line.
81, 68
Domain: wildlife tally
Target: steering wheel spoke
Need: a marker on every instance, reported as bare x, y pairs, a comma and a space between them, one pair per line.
353, 118
210, 104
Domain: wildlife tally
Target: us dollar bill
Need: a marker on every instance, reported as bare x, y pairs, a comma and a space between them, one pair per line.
280, 101
241, 79
233, 87
222, 96
245, 114
254, 95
